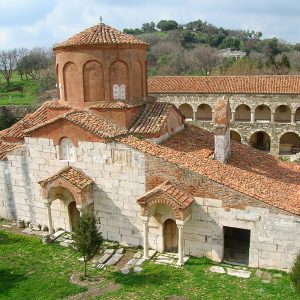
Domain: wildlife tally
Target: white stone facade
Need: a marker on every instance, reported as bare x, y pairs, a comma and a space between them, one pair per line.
120, 179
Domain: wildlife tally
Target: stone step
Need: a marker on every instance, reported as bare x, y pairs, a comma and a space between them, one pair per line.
105, 258
113, 260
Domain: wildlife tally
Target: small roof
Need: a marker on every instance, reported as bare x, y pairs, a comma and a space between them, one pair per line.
180, 198
263, 84
100, 35
72, 176
5, 148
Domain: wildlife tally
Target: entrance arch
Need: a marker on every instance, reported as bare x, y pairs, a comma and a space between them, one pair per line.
170, 234
297, 115
187, 111
260, 140
73, 215
289, 143
234, 135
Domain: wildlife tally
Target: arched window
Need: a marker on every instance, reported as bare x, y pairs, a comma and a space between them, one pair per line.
67, 150
119, 91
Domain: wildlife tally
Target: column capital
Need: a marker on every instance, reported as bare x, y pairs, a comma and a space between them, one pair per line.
47, 203
144, 219
179, 223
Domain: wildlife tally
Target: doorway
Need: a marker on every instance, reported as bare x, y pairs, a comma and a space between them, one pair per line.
236, 245
73, 214
170, 236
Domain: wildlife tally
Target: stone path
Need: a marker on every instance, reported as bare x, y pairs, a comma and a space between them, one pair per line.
230, 271
168, 259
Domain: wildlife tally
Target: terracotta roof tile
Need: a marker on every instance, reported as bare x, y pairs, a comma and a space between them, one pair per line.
74, 177
151, 120
115, 105
5, 148
249, 171
100, 35
88, 121
181, 199
225, 84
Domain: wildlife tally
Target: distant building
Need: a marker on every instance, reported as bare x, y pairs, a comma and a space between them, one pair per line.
231, 53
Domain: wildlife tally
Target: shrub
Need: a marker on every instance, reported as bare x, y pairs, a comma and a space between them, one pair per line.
295, 274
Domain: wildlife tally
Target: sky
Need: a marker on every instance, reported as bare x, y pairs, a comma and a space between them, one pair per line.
42, 23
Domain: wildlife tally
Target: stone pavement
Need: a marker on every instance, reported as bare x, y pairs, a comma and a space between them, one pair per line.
168, 259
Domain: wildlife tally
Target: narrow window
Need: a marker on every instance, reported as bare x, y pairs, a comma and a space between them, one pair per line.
119, 91
116, 91
67, 150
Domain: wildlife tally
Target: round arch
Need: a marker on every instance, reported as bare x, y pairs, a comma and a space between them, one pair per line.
289, 143
297, 115
283, 114
260, 140
204, 112
71, 82
235, 136
243, 113
263, 113
118, 77
187, 111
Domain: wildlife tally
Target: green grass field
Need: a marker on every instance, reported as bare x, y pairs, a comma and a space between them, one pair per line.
15, 97
31, 270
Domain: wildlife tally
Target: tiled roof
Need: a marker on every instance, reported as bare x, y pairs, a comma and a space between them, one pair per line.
151, 120
225, 84
88, 121
55, 104
249, 171
182, 199
100, 35
114, 105
5, 148
74, 177
17, 130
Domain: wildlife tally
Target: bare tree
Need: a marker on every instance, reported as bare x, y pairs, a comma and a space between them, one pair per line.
8, 62
294, 58
21, 53
204, 58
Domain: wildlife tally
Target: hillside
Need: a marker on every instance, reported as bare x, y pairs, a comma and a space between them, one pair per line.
194, 48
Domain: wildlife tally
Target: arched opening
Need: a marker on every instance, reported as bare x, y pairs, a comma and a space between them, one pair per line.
243, 113
297, 115
283, 114
289, 143
71, 82
170, 236
93, 82
118, 74
138, 82
263, 114
187, 111
73, 215
234, 135
260, 140
204, 113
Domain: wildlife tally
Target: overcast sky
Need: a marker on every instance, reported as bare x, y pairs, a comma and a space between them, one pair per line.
30, 23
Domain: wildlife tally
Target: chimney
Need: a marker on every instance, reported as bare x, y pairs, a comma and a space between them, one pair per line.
222, 130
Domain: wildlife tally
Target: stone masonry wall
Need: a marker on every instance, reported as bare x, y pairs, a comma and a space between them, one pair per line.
119, 178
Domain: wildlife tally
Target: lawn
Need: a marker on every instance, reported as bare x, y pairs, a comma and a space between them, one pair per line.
31, 270
16, 97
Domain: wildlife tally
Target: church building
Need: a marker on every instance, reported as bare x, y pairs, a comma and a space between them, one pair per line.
153, 179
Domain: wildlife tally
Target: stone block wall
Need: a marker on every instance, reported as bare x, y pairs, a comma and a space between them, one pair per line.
118, 172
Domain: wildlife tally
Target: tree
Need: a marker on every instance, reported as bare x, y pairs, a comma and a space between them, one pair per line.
167, 25
87, 238
295, 274
8, 63
148, 27
21, 53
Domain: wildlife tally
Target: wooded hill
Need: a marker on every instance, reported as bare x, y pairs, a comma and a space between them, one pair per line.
193, 49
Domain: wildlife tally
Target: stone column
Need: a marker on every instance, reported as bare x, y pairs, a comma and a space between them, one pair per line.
146, 232
293, 119
50, 225
194, 115
252, 116
232, 116
180, 243
272, 117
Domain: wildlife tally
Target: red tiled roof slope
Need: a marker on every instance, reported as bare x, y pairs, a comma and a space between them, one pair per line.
74, 177
100, 35
225, 84
88, 121
151, 120
249, 171
5, 148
